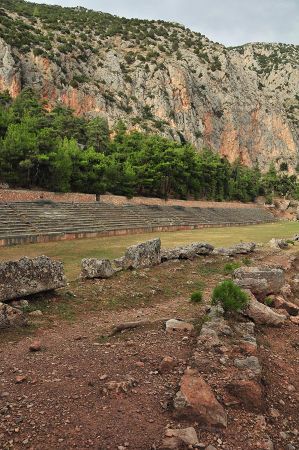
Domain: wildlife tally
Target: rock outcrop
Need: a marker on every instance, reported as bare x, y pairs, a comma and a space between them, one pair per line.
238, 249
145, 254
239, 101
262, 314
30, 276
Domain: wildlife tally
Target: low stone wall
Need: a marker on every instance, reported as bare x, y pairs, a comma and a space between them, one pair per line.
53, 237
15, 195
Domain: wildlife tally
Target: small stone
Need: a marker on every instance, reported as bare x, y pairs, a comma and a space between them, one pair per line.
36, 313
167, 364
139, 364
20, 379
178, 325
35, 346
283, 435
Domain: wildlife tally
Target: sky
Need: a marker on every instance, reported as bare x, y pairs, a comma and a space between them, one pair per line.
230, 22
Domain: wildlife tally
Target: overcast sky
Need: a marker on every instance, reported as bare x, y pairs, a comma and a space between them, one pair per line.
231, 22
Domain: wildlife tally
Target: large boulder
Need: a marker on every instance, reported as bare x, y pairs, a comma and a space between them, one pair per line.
262, 314
11, 317
96, 268
196, 400
261, 281
190, 251
30, 276
146, 254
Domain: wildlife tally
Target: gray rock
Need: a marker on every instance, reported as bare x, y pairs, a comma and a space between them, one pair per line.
239, 249
175, 438
30, 276
296, 237
186, 252
261, 281
249, 363
11, 317
146, 254
96, 268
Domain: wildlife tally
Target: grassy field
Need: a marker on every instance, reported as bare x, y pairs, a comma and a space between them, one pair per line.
71, 252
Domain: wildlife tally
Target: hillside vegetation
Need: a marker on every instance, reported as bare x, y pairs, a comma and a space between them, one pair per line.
157, 77
60, 151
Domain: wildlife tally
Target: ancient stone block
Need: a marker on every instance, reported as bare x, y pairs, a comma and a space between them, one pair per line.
261, 281
30, 276
146, 254
96, 268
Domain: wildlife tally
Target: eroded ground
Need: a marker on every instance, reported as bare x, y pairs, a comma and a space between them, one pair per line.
64, 398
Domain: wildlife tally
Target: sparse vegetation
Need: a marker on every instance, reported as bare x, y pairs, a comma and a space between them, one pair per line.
230, 296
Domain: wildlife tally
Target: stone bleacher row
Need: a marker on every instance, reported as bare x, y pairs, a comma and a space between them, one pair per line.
43, 218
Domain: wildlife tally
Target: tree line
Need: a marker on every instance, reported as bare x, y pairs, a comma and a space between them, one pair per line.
57, 150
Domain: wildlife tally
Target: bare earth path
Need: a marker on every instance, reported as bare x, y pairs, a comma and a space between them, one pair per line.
62, 397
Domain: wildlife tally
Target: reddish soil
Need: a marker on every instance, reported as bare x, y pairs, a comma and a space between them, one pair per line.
63, 400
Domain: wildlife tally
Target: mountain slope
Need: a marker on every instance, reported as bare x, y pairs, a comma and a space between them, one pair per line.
157, 76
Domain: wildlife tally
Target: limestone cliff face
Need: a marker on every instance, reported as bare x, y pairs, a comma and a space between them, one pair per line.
242, 102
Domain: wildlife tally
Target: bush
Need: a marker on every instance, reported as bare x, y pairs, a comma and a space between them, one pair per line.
196, 297
230, 296
230, 267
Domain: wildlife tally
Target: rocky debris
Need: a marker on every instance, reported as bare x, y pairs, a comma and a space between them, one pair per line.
178, 325
35, 346
248, 392
262, 314
196, 401
249, 363
146, 254
278, 243
11, 317
239, 249
177, 438
190, 251
261, 281
295, 285
20, 303
120, 386
295, 320
30, 276
96, 268
295, 237
281, 303
167, 364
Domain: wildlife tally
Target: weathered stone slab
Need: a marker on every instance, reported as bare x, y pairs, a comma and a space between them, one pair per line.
96, 268
190, 251
30, 276
239, 249
11, 317
146, 254
262, 281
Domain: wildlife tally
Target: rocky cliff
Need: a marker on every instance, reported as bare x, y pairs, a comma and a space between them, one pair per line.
157, 76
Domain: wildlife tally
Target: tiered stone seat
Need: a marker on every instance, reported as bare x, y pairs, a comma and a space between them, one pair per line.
46, 218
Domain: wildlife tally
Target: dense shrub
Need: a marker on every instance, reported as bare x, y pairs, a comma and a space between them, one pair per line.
230, 296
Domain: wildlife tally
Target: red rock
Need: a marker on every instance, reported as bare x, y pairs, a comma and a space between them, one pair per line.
35, 346
249, 392
281, 303
196, 401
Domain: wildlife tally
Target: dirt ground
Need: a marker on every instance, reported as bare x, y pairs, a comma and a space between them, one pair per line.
86, 390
